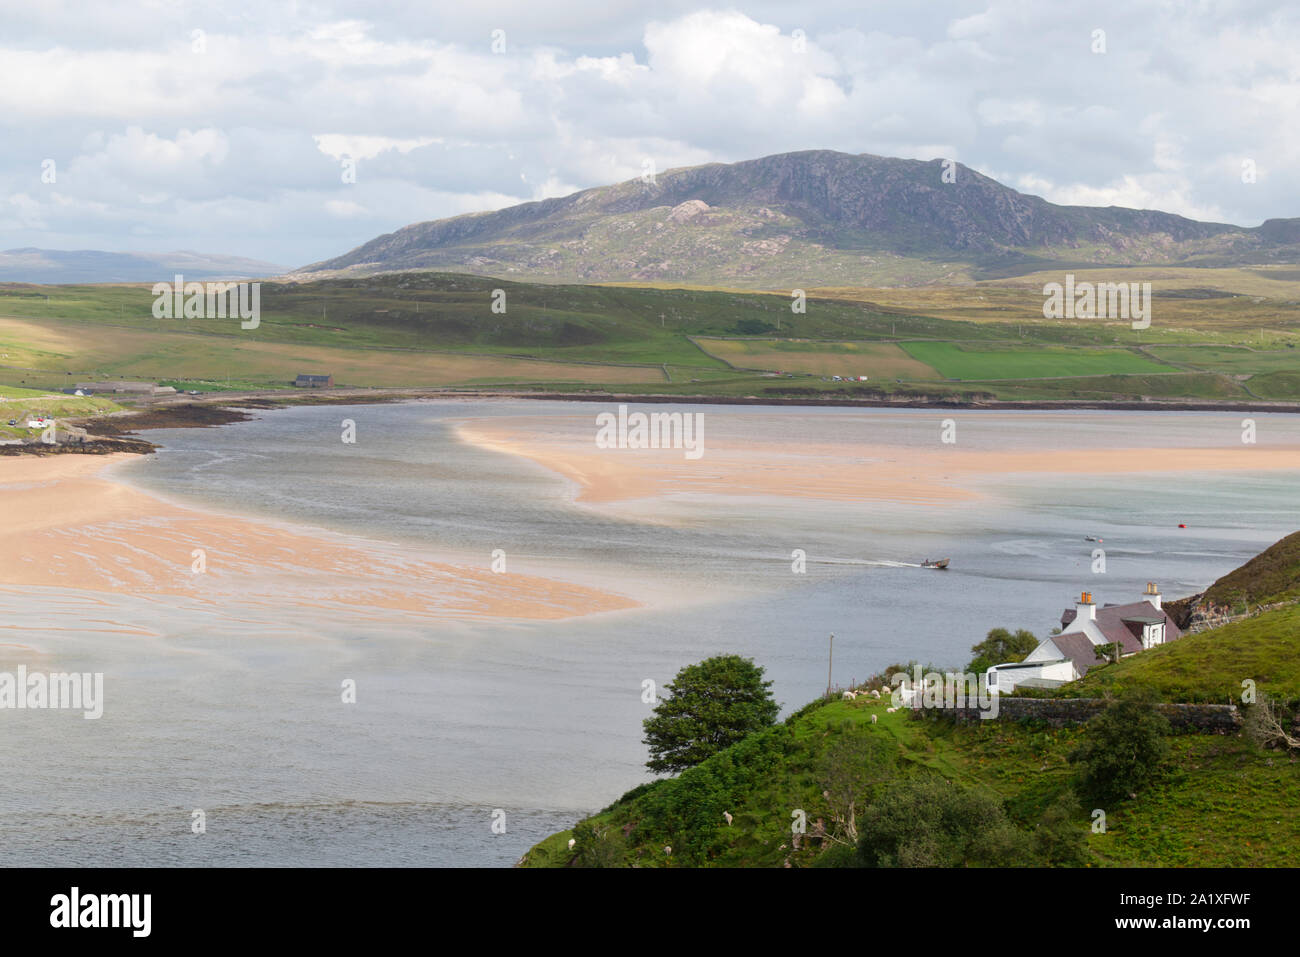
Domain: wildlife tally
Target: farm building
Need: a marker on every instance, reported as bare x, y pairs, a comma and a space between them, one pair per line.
148, 388
314, 382
1068, 656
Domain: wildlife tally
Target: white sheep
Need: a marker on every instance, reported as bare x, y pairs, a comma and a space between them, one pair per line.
848, 696
572, 841
873, 719
875, 694
727, 815
890, 710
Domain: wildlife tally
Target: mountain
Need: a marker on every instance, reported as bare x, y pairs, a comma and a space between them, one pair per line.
56, 266
814, 218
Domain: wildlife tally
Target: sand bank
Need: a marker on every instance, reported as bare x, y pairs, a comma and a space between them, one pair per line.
845, 471
64, 523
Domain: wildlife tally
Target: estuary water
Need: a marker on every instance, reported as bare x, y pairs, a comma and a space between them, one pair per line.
234, 711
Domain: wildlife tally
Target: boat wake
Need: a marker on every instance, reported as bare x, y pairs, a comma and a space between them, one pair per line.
862, 561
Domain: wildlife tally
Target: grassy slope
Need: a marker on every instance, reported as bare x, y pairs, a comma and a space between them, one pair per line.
1225, 802
17, 403
431, 329
1271, 576
1210, 666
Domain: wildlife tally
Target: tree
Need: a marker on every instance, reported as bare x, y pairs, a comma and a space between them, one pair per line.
1000, 646
1107, 651
1123, 748
708, 707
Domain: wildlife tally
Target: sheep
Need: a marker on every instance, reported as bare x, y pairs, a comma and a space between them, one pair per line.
873, 719
727, 815
668, 849
890, 710
849, 695
572, 841
875, 694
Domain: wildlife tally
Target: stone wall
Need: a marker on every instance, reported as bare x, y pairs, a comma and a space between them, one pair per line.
1206, 718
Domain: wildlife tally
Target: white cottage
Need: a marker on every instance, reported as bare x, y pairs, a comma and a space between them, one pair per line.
1068, 656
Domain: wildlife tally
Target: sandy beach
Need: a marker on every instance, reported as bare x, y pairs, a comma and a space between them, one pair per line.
68, 524
846, 471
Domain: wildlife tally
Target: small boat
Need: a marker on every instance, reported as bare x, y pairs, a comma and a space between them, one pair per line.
1089, 538
937, 563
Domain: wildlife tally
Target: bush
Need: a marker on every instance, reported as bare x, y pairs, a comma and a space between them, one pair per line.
837, 855
1124, 748
1061, 838
686, 811
926, 821
598, 848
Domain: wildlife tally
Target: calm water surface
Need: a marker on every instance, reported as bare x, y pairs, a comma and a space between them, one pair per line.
236, 711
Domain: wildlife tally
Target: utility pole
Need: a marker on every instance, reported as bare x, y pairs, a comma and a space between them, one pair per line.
830, 657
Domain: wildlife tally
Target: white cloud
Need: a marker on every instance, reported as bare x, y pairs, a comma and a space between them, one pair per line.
339, 145
240, 144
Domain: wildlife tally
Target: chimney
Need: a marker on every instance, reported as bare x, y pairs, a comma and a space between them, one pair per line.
1152, 594
1085, 609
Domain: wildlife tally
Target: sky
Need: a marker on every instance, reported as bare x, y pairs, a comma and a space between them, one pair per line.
293, 132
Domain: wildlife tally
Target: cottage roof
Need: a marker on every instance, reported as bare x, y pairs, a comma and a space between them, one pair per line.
1079, 648
1111, 620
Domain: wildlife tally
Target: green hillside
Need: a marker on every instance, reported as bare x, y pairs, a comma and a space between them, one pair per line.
1271, 576
1210, 666
448, 330
1218, 800
1224, 803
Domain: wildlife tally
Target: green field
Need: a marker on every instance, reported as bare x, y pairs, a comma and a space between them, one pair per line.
1236, 360
437, 329
961, 361
879, 360
17, 403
